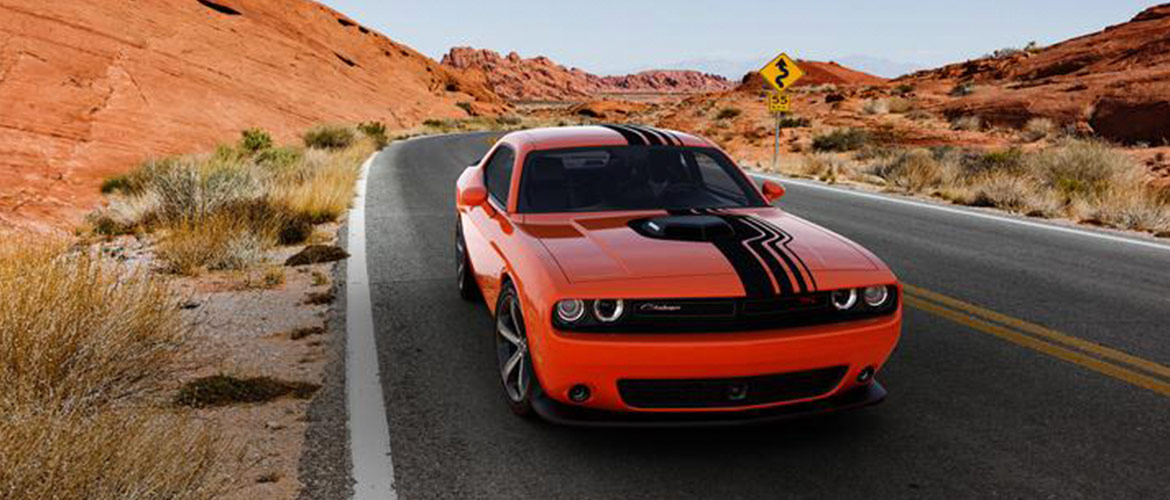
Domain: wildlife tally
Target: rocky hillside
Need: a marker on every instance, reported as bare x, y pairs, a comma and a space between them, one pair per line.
1115, 82
539, 78
91, 88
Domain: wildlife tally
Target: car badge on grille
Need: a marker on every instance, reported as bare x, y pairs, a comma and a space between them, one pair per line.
737, 392
653, 307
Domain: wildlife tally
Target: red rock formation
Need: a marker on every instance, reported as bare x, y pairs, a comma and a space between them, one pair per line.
539, 78
1115, 82
90, 88
816, 73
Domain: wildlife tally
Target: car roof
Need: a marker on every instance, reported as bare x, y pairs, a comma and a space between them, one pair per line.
602, 135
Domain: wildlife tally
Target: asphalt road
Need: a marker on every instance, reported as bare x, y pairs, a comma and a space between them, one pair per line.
969, 414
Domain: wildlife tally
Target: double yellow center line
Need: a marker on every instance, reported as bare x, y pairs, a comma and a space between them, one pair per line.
1101, 359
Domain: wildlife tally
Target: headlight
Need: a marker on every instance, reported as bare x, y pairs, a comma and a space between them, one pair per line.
608, 311
844, 299
876, 296
570, 310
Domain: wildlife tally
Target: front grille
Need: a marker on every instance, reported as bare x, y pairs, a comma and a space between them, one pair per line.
728, 315
730, 392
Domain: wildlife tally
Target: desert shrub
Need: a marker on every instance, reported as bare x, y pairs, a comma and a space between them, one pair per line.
254, 140
919, 115
510, 120
329, 137
875, 106
823, 166
903, 89
915, 170
111, 331
1037, 129
113, 454
375, 131
1085, 169
1132, 208
1011, 161
841, 140
794, 121
728, 113
1011, 192
963, 89
277, 159
968, 123
325, 188
899, 105
216, 243
192, 189
115, 184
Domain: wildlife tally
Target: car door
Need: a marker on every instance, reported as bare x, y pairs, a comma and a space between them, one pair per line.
489, 222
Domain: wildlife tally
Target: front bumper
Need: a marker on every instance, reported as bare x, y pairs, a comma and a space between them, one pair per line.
563, 414
599, 361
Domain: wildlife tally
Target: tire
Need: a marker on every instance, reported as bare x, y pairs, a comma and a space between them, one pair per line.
513, 361
465, 278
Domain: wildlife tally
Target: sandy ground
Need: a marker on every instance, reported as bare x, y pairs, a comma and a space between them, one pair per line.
241, 327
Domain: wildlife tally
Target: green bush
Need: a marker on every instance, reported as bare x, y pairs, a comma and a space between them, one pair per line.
329, 137
375, 131
255, 140
793, 121
963, 89
841, 140
728, 113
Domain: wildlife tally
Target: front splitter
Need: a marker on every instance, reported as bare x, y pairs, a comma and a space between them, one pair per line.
563, 414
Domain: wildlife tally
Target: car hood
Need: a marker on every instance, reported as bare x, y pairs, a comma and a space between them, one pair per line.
764, 245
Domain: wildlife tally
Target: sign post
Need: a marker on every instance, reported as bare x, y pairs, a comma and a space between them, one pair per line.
780, 73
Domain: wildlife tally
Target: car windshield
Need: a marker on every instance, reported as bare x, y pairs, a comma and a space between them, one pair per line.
632, 178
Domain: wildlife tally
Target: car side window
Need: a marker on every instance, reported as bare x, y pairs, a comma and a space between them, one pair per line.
498, 174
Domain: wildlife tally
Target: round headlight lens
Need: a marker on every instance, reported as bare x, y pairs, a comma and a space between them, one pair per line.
876, 296
570, 310
608, 311
844, 299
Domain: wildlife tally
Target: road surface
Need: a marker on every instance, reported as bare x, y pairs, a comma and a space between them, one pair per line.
1032, 365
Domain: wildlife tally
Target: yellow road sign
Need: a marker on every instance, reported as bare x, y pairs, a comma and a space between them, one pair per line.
779, 103
782, 72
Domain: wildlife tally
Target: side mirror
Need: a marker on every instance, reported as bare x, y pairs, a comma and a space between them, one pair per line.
773, 191
473, 196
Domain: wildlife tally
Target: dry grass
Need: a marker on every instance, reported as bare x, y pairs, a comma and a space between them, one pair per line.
118, 454
967, 123
824, 166
875, 106
1037, 129
916, 171
223, 211
77, 381
111, 332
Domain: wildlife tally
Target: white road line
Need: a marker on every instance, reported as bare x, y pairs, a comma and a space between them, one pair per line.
369, 433
970, 213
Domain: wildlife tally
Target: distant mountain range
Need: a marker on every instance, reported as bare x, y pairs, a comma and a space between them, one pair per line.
735, 68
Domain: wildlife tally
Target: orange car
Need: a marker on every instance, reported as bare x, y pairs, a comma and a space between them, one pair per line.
638, 276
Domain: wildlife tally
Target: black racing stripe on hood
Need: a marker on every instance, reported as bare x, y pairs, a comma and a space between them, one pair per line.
752, 274
812, 285
780, 238
758, 243
632, 137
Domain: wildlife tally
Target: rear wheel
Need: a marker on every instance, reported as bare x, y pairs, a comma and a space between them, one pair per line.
513, 358
465, 278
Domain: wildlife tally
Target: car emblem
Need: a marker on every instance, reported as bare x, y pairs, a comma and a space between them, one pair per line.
652, 307
737, 392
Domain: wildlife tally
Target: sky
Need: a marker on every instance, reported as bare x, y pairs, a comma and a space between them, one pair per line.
731, 37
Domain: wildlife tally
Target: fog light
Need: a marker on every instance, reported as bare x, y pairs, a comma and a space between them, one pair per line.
865, 376
579, 393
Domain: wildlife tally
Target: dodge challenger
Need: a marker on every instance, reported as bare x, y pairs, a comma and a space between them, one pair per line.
637, 276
